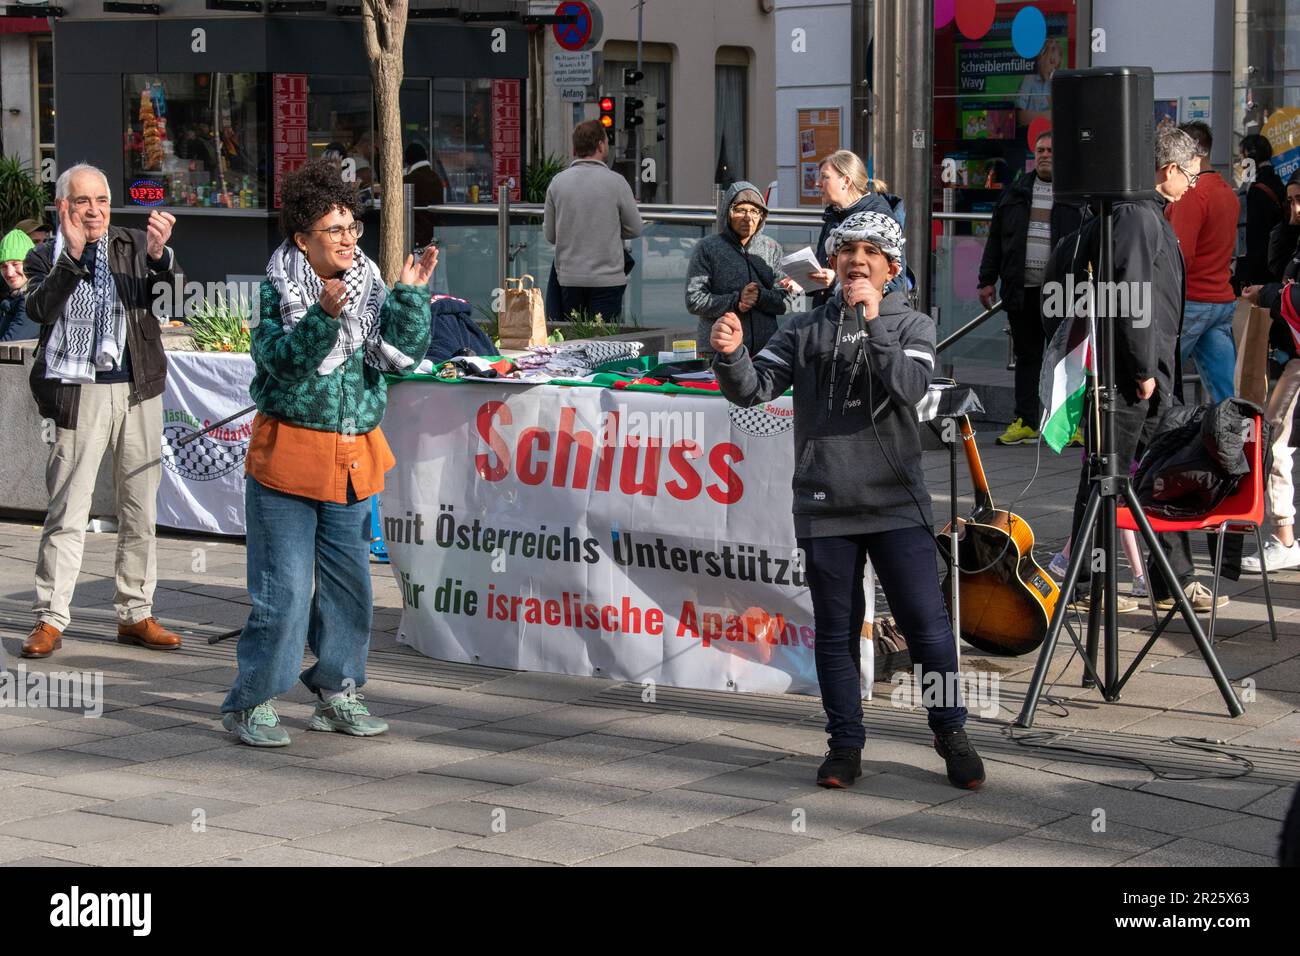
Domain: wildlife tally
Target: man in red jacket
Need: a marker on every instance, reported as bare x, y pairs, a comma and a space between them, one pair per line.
1206, 225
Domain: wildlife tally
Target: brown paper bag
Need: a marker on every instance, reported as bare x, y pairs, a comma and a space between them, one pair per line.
1250, 326
522, 322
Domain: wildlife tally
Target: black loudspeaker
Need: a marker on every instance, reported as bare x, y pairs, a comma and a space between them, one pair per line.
1103, 133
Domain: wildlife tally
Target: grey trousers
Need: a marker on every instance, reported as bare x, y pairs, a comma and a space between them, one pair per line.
108, 419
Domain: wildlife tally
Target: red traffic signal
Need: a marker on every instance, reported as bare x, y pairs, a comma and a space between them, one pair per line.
607, 104
607, 112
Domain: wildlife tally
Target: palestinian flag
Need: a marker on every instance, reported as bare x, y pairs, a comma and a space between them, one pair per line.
1067, 363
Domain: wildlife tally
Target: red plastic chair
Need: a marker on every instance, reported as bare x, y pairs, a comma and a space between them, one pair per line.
1240, 513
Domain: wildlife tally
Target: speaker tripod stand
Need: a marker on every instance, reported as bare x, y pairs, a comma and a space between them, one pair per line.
1110, 484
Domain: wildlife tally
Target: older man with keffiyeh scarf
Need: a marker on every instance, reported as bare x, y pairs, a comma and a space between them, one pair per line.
98, 378
328, 335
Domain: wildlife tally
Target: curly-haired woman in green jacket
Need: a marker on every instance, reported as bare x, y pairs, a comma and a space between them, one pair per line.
329, 332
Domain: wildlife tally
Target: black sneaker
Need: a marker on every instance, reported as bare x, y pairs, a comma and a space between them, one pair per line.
841, 767
965, 769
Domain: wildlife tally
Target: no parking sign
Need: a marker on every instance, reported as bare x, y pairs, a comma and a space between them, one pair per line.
585, 32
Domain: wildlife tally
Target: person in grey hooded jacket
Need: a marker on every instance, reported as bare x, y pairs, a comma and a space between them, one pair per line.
738, 270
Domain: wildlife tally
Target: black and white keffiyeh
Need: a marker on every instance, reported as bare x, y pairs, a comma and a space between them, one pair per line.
300, 287
91, 333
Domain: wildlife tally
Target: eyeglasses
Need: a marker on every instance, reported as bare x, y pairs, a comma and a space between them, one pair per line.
336, 232
750, 213
1191, 177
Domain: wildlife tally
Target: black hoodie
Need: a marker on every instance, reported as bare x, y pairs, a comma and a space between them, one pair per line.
851, 476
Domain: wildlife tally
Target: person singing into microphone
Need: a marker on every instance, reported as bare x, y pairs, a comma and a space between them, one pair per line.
859, 363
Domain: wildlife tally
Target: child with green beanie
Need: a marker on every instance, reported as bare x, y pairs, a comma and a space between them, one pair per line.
14, 324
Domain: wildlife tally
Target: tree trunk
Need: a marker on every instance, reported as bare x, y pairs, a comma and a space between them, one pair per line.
384, 22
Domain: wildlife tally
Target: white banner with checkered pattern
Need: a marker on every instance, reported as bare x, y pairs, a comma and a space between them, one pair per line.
639, 536
202, 487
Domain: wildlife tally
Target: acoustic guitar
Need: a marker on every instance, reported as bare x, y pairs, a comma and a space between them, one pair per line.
1007, 600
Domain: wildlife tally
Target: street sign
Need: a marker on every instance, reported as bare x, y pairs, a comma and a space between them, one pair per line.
575, 94
585, 32
573, 69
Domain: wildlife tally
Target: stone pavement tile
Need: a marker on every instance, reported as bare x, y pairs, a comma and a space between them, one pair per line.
408, 792
377, 757
168, 808
487, 738
1145, 810
276, 785
458, 856
1284, 676
1274, 806
1267, 706
725, 749
20, 803
860, 849
826, 814
10, 721
667, 811
1030, 851
76, 828
154, 745
382, 841
652, 772
588, 750
659, 857
286, 855
16, 848
489, 707
757, 783
1092, 713
12, 778
733, 843
120, 723
427, 721
473, 817
37, 737
672, 728
1099, 770
294, 819
503, 769
1012, 807
898, 786
928, 827
1177, 724
1249, 834
220, 764
1228, 794
564, 721
1185, 852
801, 740
42, 861
561, 796
60, 763
559, 841
540, 686
1280, 734
1117, 836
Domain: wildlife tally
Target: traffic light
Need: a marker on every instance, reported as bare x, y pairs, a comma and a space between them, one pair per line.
632, 77
607, 117
632, 107
659, 112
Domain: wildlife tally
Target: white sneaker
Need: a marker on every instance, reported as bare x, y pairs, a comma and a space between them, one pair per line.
1059, 565
1139, 588
1277, 555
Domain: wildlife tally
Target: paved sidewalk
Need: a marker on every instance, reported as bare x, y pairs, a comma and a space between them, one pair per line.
491, 767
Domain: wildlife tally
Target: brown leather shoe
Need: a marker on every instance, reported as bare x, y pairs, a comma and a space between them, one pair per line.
43, 641
148, 633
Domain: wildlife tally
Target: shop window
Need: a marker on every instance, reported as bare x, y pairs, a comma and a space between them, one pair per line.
340, 125
729, 114
195, 139
462, 139
43, 91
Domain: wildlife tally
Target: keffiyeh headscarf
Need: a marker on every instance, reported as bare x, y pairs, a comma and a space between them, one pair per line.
874, 227
91, 333
300, 287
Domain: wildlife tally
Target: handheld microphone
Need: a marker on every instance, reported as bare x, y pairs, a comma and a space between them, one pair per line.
861, 308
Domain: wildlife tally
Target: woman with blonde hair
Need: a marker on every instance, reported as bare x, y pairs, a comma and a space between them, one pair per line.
847, 190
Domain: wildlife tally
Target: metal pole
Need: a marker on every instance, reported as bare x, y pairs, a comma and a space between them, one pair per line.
640, 89
503, 230
408, 217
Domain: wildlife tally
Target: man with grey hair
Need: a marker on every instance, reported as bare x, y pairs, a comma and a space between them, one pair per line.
1148, 266
98, 376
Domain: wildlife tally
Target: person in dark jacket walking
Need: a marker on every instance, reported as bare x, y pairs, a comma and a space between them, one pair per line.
859, 364
1027, 223
1148, 267
848, 190
99, 374
1264, 205
738, 269
14, 324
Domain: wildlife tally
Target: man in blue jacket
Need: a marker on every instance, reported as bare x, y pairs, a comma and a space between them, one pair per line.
859, 364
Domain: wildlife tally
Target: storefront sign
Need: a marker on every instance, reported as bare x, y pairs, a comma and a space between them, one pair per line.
1282, 128
289, 119
818, 137
573, 69
507, 143
147, 192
